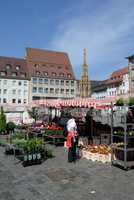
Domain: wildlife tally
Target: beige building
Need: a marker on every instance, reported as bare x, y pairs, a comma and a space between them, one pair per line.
51, 74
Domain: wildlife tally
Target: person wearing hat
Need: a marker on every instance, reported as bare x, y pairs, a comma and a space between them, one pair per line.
71, 139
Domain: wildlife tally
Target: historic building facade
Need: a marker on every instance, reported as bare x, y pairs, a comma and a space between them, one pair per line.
51, 74
14, 81
116, 85
40, 75
131, 74
85, 88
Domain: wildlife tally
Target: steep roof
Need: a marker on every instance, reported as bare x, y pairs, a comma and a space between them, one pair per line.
120, 72
14, 68
47, 56
117, 76
51, 64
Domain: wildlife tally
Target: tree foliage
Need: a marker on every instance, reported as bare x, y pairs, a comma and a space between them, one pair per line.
2, 121
34, 113
120, 102
131, 101
10, 126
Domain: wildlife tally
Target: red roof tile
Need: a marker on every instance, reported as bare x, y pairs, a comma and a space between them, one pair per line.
55, 64
10, 65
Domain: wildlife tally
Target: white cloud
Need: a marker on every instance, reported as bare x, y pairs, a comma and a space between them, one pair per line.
103, 32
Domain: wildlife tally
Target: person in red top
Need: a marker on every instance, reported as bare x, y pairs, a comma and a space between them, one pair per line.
71, 144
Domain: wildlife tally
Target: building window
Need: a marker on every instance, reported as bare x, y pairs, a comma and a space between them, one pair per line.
25, 83
3, 73
59, 67
14, 82
14, 74
62, 82
5, 91
53, 74
37, 73
72, 83
13, 100
34, 80
123, 83
19, 92
67, 83
51, 90
24, 101
62, 74
40, 81
132, 72
0, 91
8, 66
36, 65
46, 81
23, 75
45, 90
46, 73
40, 90
14, 91
4, 100
17, 67
62, 91
5, 82
67, 91
51, 82
57, 90
34, 89
0, 100
69, 75
19, 100
19, 83
57, 82
72, 91
25, 92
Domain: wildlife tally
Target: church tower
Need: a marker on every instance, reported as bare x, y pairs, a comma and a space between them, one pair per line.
85, 88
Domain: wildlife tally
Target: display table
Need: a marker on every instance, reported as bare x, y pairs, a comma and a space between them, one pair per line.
54, 139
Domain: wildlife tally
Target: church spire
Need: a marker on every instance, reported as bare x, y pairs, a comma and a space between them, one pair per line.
85, 65
84, 82
85, 57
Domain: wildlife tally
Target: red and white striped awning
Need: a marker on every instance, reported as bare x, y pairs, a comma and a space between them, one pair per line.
76, 102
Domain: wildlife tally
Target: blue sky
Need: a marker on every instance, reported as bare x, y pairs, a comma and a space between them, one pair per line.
104, 27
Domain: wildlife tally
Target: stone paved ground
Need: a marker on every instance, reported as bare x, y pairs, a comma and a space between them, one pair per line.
56, 179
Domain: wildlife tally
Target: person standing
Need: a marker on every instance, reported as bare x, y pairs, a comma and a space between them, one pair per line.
72, 139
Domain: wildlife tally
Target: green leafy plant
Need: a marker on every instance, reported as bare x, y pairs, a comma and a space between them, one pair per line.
2, 121
10, 126
33, 144
131, 101
120, 102
17, 136
49, 153
34, 113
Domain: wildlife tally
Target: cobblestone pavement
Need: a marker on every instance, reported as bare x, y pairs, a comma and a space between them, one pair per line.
56, 179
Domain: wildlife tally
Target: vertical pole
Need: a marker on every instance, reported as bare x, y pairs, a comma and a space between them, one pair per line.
112, 122
125, 137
